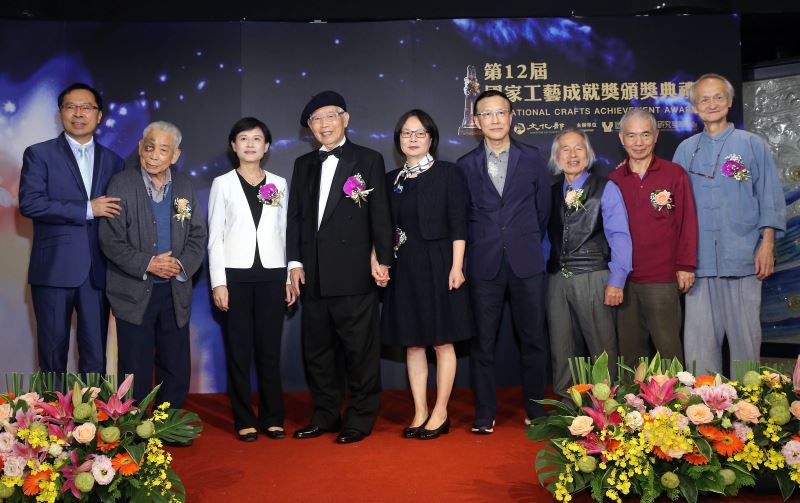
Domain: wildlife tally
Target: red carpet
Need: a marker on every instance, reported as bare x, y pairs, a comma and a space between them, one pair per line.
459, 466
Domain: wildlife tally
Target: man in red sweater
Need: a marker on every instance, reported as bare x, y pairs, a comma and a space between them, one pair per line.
663, 225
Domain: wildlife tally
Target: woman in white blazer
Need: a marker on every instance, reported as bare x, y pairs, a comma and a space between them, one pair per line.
247, 262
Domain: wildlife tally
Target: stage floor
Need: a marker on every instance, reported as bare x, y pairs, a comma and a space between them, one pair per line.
385, 467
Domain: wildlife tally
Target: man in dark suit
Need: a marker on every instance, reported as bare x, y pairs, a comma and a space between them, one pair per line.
154, 247
62, 187
508, 211
338, 214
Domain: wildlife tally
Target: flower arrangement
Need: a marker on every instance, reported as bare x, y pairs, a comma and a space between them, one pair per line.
269, 195
356, 189
733, 168
183, 210
575, 198
88, 444
662, 431
661, 199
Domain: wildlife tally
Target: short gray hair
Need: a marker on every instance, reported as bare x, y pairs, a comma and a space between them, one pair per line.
638, 113
728, 86
553, 162
167, 127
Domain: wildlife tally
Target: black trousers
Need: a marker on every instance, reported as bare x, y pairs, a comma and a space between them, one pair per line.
157, 343
337, 329
254, 329
526, 297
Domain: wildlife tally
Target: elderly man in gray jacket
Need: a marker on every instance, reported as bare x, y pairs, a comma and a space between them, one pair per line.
153, 248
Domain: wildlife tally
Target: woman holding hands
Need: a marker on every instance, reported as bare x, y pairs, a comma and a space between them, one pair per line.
424, 303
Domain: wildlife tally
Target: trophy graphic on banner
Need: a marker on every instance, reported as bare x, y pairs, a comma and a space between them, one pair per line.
471, 90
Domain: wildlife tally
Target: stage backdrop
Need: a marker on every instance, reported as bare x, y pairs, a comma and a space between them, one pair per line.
559, 73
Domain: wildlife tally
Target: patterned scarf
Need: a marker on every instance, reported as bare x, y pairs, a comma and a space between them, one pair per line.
424, 165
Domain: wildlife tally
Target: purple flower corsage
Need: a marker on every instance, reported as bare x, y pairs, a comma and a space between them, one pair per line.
269, 195
733, 168
356, 189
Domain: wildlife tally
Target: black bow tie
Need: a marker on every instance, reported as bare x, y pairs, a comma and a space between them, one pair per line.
324, 154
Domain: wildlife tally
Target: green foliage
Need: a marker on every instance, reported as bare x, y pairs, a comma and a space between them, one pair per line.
549, 463
544, 428
559, 405
600, 370
597, 485
786, 484
687, 488
704, 447
179, 426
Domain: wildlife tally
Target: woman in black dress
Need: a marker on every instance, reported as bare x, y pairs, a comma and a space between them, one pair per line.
247, 265
424, 303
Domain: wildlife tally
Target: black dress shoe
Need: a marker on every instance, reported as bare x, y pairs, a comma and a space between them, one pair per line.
310, 431
185, 443
443, 429
349, 437
413, 431
275, 434
248, 437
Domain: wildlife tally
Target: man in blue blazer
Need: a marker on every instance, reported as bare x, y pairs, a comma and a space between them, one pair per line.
508, 210
62, 187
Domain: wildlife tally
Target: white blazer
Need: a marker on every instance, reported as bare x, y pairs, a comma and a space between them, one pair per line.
232, 234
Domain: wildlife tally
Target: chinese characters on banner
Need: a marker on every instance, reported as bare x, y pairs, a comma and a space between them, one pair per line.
544, 106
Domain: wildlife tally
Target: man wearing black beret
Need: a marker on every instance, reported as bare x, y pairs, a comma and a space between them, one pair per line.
338, 214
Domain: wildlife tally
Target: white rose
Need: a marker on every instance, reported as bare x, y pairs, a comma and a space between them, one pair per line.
686, 378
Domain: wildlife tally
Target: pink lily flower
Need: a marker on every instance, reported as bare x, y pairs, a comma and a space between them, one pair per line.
659, 394
71, 470
594, 445
796, 376
62, 411
718, 398
115, 408
598, 415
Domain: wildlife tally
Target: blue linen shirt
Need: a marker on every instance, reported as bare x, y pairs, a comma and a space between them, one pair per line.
731, 214
615, 228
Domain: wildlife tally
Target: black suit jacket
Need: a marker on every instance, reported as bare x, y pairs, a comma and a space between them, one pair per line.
338, 254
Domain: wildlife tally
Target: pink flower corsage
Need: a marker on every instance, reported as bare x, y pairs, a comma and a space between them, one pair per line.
733, 168
356, 189
661, 199
269, 195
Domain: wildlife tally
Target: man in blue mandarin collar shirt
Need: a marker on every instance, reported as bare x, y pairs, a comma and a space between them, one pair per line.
740, 209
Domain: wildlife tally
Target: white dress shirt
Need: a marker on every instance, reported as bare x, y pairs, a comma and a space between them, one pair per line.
325, 181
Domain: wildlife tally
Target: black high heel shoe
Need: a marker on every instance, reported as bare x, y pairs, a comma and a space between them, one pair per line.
413, 431
443, 429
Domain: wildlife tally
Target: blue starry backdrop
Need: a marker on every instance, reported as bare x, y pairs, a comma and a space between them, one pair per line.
204, 76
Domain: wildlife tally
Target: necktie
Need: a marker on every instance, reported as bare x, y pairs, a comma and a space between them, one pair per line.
86, 169
337, 152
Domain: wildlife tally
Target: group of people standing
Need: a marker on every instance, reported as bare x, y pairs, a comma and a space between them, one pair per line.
597, 263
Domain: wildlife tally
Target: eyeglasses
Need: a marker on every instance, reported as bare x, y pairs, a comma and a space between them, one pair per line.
418, 133
72, 107
500, 113
319, 119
